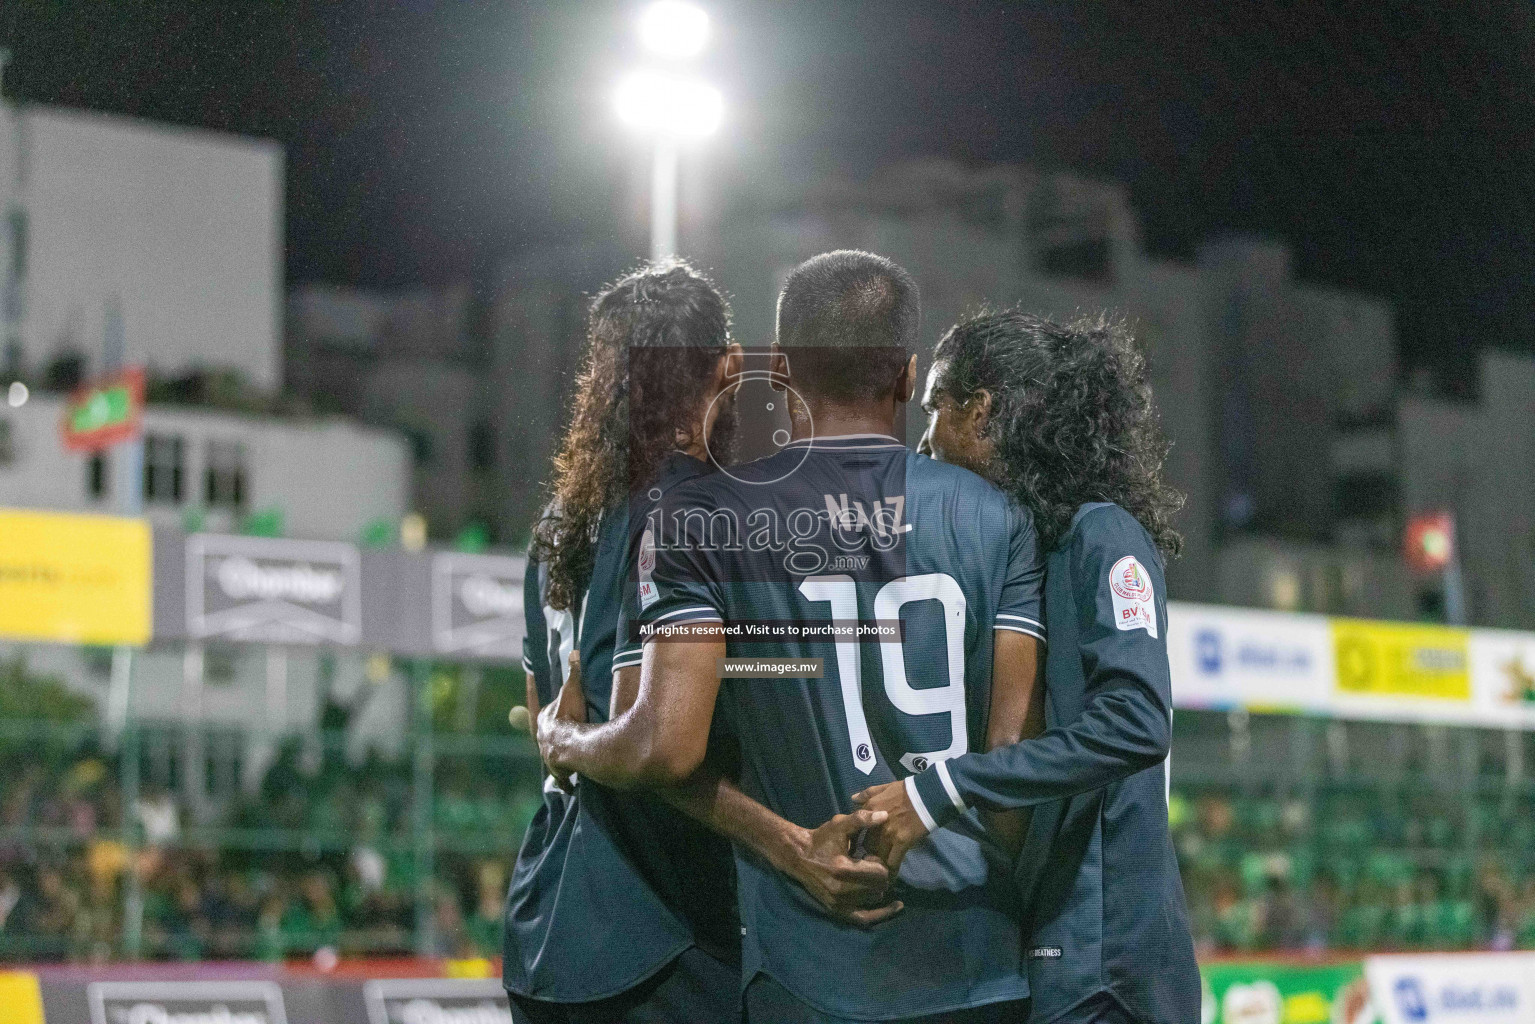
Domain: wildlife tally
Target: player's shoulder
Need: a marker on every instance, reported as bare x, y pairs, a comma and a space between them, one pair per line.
1110, 528
925, 474
703, 489
966, 494
680, 475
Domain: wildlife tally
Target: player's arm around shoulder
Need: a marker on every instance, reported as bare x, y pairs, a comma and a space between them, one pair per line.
661, 738
1121, 599
1117, 715
922, 803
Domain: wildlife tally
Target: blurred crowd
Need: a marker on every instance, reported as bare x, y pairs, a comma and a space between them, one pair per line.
323, 854
1356, 871
321, 857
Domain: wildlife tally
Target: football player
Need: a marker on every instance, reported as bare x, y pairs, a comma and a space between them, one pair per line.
1060, 415
904, 595
621, 908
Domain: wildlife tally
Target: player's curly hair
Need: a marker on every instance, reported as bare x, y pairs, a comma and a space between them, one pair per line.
1071, 417
653, 340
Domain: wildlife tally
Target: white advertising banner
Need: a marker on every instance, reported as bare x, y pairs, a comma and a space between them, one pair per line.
1453, 988
1225, 657
1239, 657
1503, 677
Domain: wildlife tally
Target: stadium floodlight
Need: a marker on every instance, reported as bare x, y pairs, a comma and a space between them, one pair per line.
672, 106
671, 28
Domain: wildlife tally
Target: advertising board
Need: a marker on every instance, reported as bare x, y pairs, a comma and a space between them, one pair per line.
1463, 988
74, 578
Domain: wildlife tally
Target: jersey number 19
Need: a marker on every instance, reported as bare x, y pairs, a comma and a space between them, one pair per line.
842, 594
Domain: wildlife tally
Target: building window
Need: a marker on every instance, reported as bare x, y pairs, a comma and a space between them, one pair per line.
224, 475
16, 222
1365, 494
420, 445
97, 480
163, 468
482, 445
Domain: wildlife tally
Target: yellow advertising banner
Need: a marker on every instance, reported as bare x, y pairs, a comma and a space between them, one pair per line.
74, 578
1395, 659
20, 998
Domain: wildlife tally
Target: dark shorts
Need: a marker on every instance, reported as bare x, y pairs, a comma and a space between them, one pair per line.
695, 988
1100, 1009
768, 1002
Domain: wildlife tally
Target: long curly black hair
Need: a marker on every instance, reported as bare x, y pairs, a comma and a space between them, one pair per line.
654, 338
1071, 417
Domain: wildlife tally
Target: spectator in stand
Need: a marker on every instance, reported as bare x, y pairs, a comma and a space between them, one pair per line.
485, 926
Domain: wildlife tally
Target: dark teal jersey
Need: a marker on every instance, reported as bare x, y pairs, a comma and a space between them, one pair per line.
1106, 908
609, 887
894, 571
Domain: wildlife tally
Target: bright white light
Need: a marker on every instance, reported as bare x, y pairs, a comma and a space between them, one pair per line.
669, 104
672, 28
17, 394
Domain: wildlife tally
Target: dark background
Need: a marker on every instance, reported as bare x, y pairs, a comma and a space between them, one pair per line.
1390, 144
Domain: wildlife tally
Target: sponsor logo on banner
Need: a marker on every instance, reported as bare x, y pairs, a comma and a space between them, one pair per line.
437, 1001
74, 579
1216, 654
1132, 596
1223, 657
1465, 988
185, 1002
1518, 681
1503, 677
1269, 992
1257, 1002
273, 591
477, 604
1401, 660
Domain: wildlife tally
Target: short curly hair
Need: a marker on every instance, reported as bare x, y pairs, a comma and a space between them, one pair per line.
1071, 420
654, 338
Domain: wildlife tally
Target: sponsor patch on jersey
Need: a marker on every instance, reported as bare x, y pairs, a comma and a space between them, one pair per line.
1045, 953
1134, 600
649, 593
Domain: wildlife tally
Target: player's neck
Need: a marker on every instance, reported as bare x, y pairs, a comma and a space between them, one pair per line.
826, 419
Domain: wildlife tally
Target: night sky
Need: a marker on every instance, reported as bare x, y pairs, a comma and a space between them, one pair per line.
1392, 145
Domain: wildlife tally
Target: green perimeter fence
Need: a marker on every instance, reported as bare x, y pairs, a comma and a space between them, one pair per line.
164, 840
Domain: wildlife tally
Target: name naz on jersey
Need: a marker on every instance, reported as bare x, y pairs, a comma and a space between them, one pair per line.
796, 534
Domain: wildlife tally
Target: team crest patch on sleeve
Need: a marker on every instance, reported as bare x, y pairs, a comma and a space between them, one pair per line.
647, 566
1135, 605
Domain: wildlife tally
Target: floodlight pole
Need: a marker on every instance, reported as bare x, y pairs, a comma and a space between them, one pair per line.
663, 199
128, 473
1455, 612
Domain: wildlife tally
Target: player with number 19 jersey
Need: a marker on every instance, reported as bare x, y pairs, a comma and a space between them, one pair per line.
894, 570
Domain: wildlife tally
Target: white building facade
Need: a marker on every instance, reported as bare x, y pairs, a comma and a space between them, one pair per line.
181, 230
321, 479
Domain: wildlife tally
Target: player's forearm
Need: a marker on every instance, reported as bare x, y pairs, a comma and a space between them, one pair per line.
719, 804
1121, 733
621, 754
